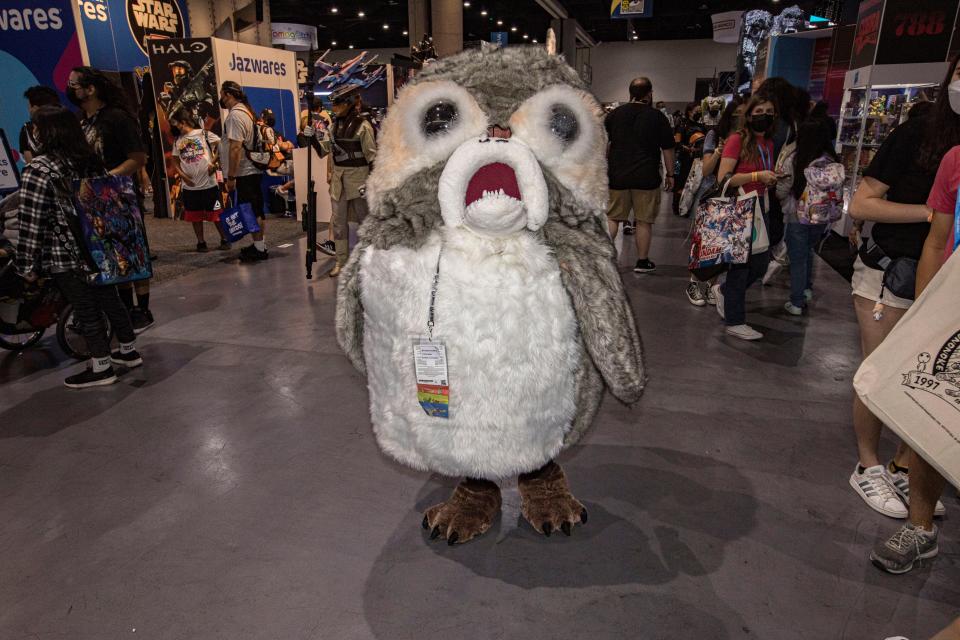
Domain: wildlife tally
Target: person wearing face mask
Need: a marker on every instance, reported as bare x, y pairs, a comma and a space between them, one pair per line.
350, 146
196, 165
686, 127
38, 96
111, 128
893, 195
748, 155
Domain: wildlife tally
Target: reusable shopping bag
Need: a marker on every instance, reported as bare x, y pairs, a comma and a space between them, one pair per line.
691, 188
238, 220
722, 232
912, 380
109, 228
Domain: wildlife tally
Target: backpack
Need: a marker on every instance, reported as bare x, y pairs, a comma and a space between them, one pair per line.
822, 200
264, 160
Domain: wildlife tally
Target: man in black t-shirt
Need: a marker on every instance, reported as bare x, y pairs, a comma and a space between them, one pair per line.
639, 135
112, 130
38, 96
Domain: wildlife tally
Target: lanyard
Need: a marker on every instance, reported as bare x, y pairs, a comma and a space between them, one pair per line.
956, 223
765, 158
433, 297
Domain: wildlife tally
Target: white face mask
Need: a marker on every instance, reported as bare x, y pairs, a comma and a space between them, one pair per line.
953, 93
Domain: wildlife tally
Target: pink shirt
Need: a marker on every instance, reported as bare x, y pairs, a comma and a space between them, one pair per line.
732, 150
943, 195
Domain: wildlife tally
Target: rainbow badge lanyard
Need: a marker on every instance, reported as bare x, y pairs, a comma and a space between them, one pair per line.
766, 157
430, 363
956, 223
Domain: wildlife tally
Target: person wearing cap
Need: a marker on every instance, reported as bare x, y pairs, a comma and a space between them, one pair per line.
243, 177
351, 148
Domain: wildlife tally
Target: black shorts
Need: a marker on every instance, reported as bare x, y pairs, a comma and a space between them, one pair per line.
248, 190
200, 200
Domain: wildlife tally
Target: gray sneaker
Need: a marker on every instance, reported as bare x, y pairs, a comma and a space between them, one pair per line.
905, 548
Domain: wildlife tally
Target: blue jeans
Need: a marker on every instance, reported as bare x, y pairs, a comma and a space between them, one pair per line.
801, 239
739, 279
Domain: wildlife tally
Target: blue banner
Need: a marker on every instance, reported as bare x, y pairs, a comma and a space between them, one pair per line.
116, 31
38, 45
499, 38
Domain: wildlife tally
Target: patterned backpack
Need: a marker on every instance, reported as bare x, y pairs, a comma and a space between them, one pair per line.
822, 200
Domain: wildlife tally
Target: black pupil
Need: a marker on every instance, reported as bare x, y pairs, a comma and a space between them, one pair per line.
439, 118
563, 123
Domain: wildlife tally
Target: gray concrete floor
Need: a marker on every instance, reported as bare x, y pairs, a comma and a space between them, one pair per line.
231, 488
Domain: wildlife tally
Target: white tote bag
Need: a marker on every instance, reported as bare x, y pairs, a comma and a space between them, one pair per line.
912, 380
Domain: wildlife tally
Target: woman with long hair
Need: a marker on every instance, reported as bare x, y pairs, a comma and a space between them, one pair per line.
46, 246
748, 155
684, 128
813, 148
893, 196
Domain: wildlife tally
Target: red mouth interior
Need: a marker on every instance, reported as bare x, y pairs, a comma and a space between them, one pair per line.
492, 177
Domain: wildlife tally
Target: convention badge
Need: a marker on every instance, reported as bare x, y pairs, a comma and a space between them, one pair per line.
219, 176
433, 386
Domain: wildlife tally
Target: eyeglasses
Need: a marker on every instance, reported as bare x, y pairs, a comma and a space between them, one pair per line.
74, 84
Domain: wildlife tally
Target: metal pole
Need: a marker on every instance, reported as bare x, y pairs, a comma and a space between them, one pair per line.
309, 212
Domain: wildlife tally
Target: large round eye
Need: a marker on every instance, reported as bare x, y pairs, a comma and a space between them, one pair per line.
563, 123
439, 118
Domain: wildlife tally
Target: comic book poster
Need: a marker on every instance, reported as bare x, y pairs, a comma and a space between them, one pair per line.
183, 76
111, 225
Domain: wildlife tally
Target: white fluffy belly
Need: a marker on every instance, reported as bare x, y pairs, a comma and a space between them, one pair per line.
512, 346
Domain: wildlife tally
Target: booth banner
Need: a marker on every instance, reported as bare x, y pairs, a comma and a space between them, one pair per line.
38, 45
183, 75
916, 31
868, 34
116, 31
726, 26
268, 77
295, 37
628, 9
819, 69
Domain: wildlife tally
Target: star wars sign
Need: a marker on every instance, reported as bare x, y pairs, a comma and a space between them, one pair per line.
154, 19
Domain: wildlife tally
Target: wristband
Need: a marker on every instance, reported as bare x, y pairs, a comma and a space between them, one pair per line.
753, 176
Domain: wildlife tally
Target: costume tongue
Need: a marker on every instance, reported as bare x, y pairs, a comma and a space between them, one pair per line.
492, 177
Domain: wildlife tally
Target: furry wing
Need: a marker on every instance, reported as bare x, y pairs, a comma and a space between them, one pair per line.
349, 318
589, 271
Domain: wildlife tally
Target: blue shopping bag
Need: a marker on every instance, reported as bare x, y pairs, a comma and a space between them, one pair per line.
238, 220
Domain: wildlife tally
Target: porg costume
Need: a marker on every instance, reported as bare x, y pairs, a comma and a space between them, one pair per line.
486, 253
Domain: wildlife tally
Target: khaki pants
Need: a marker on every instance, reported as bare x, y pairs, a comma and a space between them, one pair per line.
343, 211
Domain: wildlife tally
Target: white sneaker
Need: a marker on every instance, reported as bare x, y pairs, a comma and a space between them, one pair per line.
792, 309
744, 332
901, 483
772, 270
877, 490
718, 298
695, 295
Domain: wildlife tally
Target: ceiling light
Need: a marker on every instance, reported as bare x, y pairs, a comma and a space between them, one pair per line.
334, 9
466, 3
513, 28
350, 46
406, 33
360, 14
386, 26
333, 43
534, 41
484, 12
636, 37
499, 23
525, 36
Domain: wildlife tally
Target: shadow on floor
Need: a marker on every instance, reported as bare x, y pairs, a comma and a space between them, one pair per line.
56, 408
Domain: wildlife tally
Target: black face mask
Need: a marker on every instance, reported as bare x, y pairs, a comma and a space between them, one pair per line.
761, 123
73, 97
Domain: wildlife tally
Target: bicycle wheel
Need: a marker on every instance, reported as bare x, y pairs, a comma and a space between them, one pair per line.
70, 335
20, 341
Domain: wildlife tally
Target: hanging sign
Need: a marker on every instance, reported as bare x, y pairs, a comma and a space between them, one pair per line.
726, 26
296, 37
628, 9
499, 38
916, 31
868, 34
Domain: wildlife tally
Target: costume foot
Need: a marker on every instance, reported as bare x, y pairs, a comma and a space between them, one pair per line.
546, 501
468, 513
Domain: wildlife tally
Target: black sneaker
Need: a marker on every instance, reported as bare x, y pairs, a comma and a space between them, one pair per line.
87, 378
142, 320
224, 246
327, 247
252, 254
202, 247
130, 360
644, 266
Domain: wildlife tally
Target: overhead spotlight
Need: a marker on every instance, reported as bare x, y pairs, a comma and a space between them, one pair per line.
513, 28
350, 46
534, 41
499, 23
361, 14
334, 10
525, 36
636, 37
406, 33
385, 26
466, 3
333, 43
483, 12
